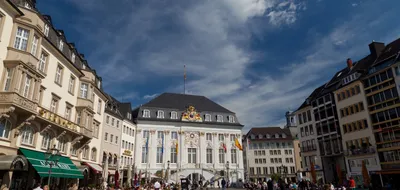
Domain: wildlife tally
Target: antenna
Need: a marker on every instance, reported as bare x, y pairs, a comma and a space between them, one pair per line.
184, 79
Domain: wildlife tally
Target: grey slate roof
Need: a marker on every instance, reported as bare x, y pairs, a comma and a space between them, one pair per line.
181, 101
271, 131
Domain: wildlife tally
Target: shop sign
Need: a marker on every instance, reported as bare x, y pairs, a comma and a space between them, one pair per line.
127, 153
19, 160
50, 116
60, 165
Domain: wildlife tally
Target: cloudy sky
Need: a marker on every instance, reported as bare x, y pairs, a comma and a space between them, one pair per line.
258, 58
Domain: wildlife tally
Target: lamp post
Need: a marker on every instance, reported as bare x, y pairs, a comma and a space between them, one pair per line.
227, 170
168, 162
52, 156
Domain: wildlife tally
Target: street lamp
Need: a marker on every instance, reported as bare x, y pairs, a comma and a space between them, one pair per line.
168, 162
227, 170
52, 156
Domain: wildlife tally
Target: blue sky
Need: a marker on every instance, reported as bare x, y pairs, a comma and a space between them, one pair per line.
258, 58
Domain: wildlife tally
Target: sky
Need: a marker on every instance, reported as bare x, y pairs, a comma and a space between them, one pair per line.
257, 58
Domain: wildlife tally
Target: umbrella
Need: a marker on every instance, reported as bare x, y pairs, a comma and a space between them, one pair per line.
116, 178
313, 173
365, 175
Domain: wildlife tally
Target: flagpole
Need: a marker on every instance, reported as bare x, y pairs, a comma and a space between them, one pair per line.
184, 79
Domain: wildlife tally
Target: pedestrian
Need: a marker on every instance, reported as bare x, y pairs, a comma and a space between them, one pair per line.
352, 184
4, 187
37, 186
223, 183
157, 185
46, 187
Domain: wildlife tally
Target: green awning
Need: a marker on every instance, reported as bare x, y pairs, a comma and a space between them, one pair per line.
64, 168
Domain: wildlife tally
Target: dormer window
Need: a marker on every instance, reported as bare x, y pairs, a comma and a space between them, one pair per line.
283, 135
46, 30
268, 136
231, 119
129, 115
160, 114
276, 135
220, 118
61, 45
83, 66
174, 115
27, 5
73, 58
252, 137
260, 136
207, 117
146, 113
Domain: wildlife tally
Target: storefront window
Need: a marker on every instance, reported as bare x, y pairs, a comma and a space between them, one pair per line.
27, 135
5, 126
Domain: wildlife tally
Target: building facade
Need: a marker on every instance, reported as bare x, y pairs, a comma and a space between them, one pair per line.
291, 124
111, 143
45, 100
190, 136
269, 153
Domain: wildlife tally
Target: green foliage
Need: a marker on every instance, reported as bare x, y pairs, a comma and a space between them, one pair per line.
275, 177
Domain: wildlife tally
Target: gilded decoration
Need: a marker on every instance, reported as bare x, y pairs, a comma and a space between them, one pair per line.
191, 115
214, 134
166, 132
152, 131
192, 139
201, 133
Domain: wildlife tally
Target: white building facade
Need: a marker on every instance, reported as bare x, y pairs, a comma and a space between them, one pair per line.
127, 147
193, 138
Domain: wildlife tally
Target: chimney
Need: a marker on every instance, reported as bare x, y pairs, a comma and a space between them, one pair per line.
376, 48
349, 63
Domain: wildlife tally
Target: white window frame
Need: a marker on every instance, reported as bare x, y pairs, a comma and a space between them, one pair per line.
146, 113
231, 119
34, 45
71, 84
6, 128
209, 155
27, 86
62, 144
46, 140
174, 115
192, 155
61, 45
174, 156
68, 111
209, 136
53, 105
84, 90
73, 57
78, 117
27, 138
207, 117
99, 106
174, 135
58, 78
46, 30
220, 118
21, 39
7, 82
221, 156
159, 158
160, 114
42, 62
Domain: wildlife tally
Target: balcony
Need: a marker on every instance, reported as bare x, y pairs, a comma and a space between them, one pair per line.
360, 151
83, 102
15, 55
53, 119
14, 99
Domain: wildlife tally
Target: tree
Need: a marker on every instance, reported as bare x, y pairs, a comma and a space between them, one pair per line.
275, 177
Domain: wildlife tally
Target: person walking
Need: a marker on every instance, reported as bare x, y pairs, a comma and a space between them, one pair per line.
223, 183
352, 184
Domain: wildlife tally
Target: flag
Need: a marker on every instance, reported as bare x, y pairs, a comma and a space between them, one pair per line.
176, 147
237, 144
147, 145
224, 146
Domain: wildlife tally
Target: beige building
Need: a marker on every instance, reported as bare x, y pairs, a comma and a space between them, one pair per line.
49, 98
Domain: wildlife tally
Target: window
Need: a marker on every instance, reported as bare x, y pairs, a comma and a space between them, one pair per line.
99, 107
220, 118
221, 137
258, 170
116, 139
252, 171
144, 155
160, 134
93, 154
35, 41
174, 135
78, 117
27, 86
123, 144
159, 155
111, 138
146, 113
233, 156
265, 170
73, 58
84, 90
160, 114
58, 75
46, 140
221, 156
71, 84
209, 155
21, 39
231, 119
53, 105
192, 155
7, 81
42, 62
174, 157
61, 45
108, 119
272, 170
46, 30
62, 144
209, 136
68, 112
232, 138
117, 124
145, 134
85, 152
256, 161
27, 135
105, 136
174, 115
5, 128
207, 117
112, 121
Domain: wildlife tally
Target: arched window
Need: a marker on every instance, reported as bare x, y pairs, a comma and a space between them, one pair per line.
5, 127
74, 149
85, 152
115, 160
62, 144
27, 135
93, 154
46, 140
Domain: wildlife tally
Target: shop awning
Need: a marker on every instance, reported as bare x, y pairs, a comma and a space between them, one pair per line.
95, 167
64, 168
13, 162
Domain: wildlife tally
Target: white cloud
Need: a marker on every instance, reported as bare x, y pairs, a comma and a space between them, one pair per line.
149, 96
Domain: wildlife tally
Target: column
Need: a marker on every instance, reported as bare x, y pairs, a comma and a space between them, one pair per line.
17, 76
167, 146
152, 150
202, 149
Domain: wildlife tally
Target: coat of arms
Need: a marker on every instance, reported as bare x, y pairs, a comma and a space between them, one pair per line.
191, 115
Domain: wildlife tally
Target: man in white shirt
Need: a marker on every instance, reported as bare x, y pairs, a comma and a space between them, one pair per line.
38, 187
157, 185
